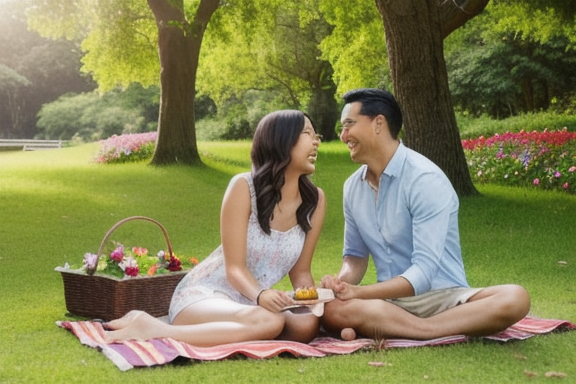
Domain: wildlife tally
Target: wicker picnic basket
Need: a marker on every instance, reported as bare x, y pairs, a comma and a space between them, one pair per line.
108, 297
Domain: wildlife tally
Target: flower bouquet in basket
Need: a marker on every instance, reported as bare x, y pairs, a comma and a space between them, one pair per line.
125, 262
108, 285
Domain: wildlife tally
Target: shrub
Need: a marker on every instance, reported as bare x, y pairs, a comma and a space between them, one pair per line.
471, 127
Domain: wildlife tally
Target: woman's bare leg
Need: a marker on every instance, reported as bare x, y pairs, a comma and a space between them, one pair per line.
206, 323
300, 325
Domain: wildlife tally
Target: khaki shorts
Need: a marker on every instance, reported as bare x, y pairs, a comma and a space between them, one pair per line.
433, 302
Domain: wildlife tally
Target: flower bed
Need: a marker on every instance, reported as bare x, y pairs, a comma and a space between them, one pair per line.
545, 160
127, 148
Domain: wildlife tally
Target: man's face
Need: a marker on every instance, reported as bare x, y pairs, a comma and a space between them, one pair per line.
357, 132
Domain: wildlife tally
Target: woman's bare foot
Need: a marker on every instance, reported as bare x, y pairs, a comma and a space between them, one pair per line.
348, 334
135, 325
122, 322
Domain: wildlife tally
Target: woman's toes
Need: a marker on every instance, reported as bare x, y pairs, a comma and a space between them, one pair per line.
124, 321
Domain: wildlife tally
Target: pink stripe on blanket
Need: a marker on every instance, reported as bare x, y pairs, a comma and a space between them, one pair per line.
131, 354
530, 326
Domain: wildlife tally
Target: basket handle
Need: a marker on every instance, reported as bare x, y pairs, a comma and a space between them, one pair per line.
115, 226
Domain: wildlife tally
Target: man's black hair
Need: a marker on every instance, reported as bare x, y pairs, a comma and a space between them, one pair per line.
378, 102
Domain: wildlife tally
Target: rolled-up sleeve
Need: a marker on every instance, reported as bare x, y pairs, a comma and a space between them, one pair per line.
432, 210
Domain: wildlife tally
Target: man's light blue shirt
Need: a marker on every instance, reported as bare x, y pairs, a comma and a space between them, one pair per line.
411, 227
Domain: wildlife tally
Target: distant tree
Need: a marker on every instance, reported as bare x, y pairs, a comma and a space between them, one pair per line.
515, 57
536, 20
12, 85
506, 76
356, 47
49, 67
272, 46
91, 116
179, 42
129, 42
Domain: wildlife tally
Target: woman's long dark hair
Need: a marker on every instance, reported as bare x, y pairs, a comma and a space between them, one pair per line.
275, 136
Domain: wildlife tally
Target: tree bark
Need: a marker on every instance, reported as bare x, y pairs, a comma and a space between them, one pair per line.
323, 107
454, 13
414, 40
179, 45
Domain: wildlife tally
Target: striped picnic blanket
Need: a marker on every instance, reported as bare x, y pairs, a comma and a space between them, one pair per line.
130, 354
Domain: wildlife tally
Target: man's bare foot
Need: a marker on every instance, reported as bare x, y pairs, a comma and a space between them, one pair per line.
348, 334
135, 325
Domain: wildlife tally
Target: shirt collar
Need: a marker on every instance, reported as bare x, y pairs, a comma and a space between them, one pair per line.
394, 166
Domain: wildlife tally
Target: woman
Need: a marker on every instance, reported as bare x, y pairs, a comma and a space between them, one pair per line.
270, 223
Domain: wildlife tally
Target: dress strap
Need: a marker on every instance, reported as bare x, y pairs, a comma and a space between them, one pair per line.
248, 177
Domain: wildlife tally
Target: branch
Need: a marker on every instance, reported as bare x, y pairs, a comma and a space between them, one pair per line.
454, 13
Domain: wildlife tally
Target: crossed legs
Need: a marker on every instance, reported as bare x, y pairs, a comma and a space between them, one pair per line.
491, 310
216, 321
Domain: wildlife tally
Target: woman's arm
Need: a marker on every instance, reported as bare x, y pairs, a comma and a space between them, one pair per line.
234, 216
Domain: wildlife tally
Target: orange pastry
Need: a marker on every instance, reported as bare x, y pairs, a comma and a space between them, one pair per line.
306, 293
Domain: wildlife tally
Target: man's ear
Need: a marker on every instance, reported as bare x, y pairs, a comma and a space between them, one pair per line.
380, 119
381, 123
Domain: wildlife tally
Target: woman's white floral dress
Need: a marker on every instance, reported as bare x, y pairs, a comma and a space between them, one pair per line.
268, 257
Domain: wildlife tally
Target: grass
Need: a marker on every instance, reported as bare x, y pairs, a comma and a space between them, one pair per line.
57, 205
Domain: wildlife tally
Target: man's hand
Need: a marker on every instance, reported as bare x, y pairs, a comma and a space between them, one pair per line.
342, 290
329, 282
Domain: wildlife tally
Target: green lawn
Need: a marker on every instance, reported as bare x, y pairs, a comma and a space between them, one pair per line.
57, 205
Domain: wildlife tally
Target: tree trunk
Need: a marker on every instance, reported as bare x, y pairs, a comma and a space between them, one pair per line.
179, 50
414, 38
323, 107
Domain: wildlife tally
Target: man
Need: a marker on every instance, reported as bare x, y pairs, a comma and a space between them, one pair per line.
400, 208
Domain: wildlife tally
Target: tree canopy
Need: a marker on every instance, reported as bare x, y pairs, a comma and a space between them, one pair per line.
305, 50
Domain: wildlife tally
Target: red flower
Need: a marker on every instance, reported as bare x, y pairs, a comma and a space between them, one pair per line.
132, 271
174, 264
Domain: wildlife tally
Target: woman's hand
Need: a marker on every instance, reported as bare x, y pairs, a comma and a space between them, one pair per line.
274, 300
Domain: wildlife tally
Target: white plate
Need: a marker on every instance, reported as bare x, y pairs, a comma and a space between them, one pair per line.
324, 296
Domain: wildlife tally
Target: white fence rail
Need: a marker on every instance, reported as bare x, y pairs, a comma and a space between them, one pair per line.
31, 145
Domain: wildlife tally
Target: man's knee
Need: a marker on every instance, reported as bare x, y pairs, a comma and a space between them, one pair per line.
337, 315
517, 301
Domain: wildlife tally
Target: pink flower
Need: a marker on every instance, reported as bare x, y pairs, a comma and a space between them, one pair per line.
536, 181
118, 254
572, 169
557, 174
565, 186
